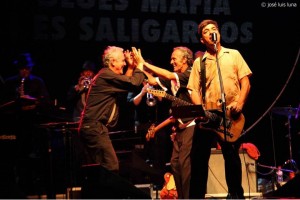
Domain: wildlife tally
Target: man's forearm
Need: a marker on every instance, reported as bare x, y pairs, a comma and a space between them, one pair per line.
195, 97
160, 72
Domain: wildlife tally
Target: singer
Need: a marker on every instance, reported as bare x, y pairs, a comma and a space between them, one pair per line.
214, 38
207, 91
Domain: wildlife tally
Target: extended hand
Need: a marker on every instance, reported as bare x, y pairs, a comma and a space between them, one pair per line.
137, 55
144, 89
129, 59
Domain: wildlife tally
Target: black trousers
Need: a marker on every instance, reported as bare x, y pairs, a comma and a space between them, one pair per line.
181, 162
97, 146
203, 141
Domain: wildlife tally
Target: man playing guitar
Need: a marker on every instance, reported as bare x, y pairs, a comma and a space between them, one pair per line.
175, 83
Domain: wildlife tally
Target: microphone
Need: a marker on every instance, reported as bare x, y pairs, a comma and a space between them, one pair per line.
214, 39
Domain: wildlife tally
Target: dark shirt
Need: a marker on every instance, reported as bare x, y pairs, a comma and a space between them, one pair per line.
34, 86
182, 92
103, 95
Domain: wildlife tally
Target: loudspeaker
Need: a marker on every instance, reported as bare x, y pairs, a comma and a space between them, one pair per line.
99, 183
290, 189
216, 183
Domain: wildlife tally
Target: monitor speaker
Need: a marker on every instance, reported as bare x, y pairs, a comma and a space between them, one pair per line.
216, 183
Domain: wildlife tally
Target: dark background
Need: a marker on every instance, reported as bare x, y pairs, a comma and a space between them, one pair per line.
271, 54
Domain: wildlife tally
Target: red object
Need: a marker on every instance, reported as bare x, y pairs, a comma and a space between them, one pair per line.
169, 190
291, 175
251, 150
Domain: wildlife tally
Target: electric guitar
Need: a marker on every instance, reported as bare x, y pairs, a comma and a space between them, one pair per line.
152, 130
213, 119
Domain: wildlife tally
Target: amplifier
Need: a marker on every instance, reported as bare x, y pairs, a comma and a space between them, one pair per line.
216, 183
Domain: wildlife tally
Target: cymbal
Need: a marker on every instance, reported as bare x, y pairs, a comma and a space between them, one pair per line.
286, 111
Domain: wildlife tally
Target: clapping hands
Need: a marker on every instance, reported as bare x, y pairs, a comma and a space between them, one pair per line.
137, 55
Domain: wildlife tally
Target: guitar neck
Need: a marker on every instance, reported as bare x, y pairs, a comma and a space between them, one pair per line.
164, 123
177, 101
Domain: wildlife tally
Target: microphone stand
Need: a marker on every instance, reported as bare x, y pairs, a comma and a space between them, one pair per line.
223, 100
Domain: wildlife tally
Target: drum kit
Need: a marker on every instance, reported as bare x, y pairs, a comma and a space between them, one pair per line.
288, 112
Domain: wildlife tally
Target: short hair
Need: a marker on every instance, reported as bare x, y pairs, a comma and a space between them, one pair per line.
187, 53
205, 23
108, 54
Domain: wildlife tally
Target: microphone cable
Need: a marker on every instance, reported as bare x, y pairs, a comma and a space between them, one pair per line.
279, 95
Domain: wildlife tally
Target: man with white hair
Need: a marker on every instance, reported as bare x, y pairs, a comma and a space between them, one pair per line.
101, 109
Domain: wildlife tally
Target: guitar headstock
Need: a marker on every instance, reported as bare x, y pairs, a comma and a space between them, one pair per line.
157, 93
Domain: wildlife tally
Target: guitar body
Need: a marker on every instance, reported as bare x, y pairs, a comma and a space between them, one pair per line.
213, 119
234, 125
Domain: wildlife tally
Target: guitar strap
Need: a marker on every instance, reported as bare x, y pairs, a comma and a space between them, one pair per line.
203, 79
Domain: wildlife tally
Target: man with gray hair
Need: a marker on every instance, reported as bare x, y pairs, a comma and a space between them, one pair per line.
175, 83
101, 109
